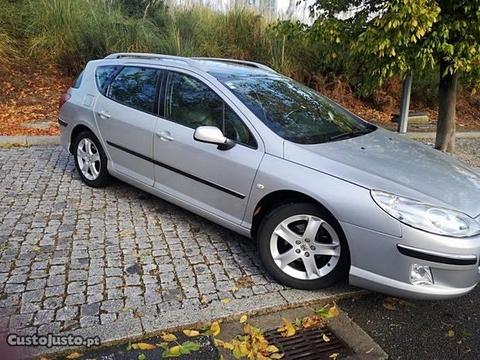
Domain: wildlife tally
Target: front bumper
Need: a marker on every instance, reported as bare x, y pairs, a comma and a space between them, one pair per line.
382, 262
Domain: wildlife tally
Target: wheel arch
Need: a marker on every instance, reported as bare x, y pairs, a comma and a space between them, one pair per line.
280, 197
75, 131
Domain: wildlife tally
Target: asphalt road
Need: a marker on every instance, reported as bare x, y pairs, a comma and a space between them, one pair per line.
448, 329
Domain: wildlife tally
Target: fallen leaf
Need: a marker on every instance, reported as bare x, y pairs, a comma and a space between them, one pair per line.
137, 313
168, 337
185, 348
226, 300
125, 232
143, 346
334, 356
243, 319
174, 351
247, 329
242, 349
203, 300
162, 345
288, 329
276, 356
312, 321
389, 306
298, 322
390, 303
215, 328
325, 338
244, 282
224, 344
450, 333
328, 311
333, 311
189, 346
272, 349
191, 333
141, 356
74, 355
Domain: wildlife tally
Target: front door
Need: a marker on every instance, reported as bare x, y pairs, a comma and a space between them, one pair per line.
214, 180
126, 117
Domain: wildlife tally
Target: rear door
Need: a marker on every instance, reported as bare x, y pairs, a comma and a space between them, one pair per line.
214, 180
126, 116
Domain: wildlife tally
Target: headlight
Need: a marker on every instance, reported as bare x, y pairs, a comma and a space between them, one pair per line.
426, 217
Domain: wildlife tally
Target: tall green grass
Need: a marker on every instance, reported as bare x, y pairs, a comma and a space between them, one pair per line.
8, 51
199, 31
71, 32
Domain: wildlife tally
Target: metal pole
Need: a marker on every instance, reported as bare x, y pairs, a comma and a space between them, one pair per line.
405, 104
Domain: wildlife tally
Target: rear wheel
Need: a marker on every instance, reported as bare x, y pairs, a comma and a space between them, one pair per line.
90, 160
302, 246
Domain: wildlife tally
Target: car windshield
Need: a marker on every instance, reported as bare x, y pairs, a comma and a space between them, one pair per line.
294, 111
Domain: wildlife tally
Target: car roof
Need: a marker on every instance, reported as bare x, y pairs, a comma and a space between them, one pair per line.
217, 67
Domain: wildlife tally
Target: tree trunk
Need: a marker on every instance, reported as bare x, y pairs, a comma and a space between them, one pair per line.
447, 98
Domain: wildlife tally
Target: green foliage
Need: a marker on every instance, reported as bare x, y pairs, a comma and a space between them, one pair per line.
7, 49
12, 23
400, 35
289, 50
390, 42
389, 38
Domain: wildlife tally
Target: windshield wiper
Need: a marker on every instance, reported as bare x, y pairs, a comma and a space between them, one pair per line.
349, 134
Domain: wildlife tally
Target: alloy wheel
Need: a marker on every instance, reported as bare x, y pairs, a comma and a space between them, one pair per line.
305, 247
88, 159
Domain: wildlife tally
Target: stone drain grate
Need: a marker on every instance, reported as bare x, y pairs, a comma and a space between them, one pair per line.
308, 344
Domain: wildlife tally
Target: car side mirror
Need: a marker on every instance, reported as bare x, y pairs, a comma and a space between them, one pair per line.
213, 135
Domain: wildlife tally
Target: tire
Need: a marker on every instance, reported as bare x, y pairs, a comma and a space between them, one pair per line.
286, 261
89, 154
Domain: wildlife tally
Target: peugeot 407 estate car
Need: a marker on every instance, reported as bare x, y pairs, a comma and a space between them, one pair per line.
324, 193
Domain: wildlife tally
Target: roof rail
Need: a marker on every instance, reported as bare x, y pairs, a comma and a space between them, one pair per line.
151, 56
241, 62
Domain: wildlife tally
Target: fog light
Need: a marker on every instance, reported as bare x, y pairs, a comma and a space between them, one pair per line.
421, 275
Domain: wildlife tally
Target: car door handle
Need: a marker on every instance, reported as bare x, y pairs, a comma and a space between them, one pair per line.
165, 136
103, 114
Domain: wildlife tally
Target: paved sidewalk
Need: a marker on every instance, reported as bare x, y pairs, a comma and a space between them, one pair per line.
116, 262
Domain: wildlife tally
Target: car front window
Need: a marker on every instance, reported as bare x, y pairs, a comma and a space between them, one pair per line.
191, 103
294, 111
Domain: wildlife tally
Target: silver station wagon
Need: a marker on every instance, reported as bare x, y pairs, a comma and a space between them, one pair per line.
325, 194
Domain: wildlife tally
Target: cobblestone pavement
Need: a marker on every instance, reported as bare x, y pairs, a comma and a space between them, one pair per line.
115, 262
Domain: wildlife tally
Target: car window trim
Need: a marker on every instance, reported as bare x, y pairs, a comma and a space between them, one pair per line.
78, 80
156, 99
103, 89
163, 100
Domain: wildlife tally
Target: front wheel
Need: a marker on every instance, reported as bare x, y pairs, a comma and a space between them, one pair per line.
303, 247
90, 160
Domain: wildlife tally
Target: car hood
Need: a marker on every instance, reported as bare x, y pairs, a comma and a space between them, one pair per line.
383, 160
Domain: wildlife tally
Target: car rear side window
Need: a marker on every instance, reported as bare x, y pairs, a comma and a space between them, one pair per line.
135, 87
191, 103
78, 81
103, 75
